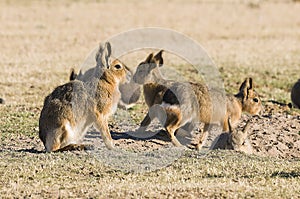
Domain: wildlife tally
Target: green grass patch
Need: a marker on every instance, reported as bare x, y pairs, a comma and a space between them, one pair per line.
18, 120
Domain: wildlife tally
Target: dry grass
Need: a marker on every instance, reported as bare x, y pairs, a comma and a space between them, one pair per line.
218, 174
41, 41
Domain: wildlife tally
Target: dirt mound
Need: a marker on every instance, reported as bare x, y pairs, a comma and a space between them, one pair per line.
276, 134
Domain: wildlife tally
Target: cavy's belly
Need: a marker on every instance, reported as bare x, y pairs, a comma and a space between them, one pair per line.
115, 101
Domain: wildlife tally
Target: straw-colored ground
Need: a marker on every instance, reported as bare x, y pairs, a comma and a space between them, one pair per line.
41, 41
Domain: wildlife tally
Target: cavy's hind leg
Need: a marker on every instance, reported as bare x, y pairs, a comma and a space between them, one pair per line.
65, 139
173, 123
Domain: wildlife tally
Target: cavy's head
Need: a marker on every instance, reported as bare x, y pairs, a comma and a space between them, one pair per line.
251, 102
237, 138
144, 71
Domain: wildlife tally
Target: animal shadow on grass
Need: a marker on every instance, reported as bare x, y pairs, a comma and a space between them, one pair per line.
161, 135
282, 174
32, 150
91, 135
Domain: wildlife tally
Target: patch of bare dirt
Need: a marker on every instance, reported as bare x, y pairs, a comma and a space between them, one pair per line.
276, 134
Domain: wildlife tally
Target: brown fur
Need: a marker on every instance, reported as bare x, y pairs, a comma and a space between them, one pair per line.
234, 140
130, 91
295, 94
154, 85
197, 103
73, 107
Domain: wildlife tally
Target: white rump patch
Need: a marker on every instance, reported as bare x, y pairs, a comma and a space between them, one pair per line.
71, 134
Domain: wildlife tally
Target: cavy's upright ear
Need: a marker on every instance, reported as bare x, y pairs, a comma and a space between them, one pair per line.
246, 86
149, 58
73, 74
103, 55
159, 59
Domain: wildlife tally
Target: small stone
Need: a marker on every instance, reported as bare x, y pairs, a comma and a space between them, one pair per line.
2, 101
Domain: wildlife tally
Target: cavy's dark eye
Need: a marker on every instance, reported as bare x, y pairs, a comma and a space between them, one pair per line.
118, 66
255, 100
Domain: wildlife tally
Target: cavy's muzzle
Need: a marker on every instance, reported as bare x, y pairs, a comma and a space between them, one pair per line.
128, 75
